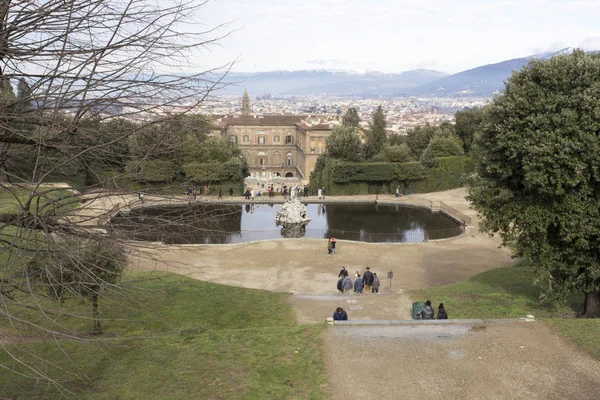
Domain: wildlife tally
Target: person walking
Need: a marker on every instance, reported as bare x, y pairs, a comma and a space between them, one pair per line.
375, 285
442, 312
320, 193
358, 284
141, 197
329, 247
343, 272
339, 285
333, 242
247, 194
252, 193
340, 315
220, 194
305, 190
347, 284
368, 280
427, 311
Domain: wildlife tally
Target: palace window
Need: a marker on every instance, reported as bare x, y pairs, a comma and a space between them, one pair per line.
276, 139
289, 160
260, 140
233, 139
289, 139
246, 138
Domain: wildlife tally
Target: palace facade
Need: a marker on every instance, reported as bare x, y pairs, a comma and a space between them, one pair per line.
284, 145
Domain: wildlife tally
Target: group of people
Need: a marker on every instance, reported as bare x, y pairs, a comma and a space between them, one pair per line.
368, 283
428, 312
425, 313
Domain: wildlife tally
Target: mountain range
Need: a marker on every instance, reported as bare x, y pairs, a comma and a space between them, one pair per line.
481, 81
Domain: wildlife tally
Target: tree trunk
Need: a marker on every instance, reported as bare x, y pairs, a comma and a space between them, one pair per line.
591, 307
97, 327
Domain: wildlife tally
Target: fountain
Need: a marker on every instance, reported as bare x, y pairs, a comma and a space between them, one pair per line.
293, 219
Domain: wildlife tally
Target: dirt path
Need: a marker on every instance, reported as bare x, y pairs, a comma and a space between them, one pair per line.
500, 361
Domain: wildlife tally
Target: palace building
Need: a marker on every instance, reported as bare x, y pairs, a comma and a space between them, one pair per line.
282, 145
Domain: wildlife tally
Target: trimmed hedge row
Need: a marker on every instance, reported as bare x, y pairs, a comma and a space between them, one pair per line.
345, 178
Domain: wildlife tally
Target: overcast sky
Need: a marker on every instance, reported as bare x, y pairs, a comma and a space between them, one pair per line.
396, 35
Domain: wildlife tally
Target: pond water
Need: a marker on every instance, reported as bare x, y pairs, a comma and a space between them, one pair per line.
212, 224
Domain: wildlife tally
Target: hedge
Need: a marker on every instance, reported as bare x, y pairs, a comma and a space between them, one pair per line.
345, 178
213, 171
447, 175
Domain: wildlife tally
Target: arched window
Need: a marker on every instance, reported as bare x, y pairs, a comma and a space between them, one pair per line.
233, 139
260, 137
289, 160
261, 158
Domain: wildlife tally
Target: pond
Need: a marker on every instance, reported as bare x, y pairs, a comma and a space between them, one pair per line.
237, 223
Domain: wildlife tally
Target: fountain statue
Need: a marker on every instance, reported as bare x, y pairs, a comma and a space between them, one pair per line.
293, 218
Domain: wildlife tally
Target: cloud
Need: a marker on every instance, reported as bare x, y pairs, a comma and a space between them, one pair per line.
590, 43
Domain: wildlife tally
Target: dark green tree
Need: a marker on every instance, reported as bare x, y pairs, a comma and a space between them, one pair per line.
418, 138
441, 146
396, 139
467, 124
344, 144
538, 173
376, 135
351, 118
397, 153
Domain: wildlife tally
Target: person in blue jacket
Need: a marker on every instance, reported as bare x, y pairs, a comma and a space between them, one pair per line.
340, 315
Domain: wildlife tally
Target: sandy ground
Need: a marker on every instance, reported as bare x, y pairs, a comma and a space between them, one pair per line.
498, 361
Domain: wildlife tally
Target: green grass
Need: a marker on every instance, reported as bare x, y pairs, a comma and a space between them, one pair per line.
584, 332
178, 338
510, 293
498, 293
13, 199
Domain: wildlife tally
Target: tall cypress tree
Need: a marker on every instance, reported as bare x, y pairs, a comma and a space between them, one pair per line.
376, 135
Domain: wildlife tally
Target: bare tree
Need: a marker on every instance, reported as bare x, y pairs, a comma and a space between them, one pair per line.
90, 76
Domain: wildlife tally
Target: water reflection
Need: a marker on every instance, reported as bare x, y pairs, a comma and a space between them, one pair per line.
249, 222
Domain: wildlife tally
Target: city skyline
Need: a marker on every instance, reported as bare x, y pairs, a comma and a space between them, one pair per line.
449, 36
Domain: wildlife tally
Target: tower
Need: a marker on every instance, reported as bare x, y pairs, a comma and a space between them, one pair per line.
245, 104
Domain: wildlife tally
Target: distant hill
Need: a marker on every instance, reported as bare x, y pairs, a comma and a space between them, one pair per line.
482, 81
334, 83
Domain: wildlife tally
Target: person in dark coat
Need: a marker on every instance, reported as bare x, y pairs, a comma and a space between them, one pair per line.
368, 280
343, 272
340, 315
427, 311
339, 285
442, 312
358, 284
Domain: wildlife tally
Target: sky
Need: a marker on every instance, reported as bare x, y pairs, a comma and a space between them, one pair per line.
393, 35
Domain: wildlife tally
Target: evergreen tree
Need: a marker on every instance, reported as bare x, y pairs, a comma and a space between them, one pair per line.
538, 182
376, 136
351, 118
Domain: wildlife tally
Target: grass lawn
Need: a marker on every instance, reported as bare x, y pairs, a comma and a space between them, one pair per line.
178, 338
509, 293
11, 200
498, 293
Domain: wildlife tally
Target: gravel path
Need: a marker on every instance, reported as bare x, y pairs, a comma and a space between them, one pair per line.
496, 361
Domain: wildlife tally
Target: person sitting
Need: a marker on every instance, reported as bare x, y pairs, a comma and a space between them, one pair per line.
442, 312
340, 315
427, 311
